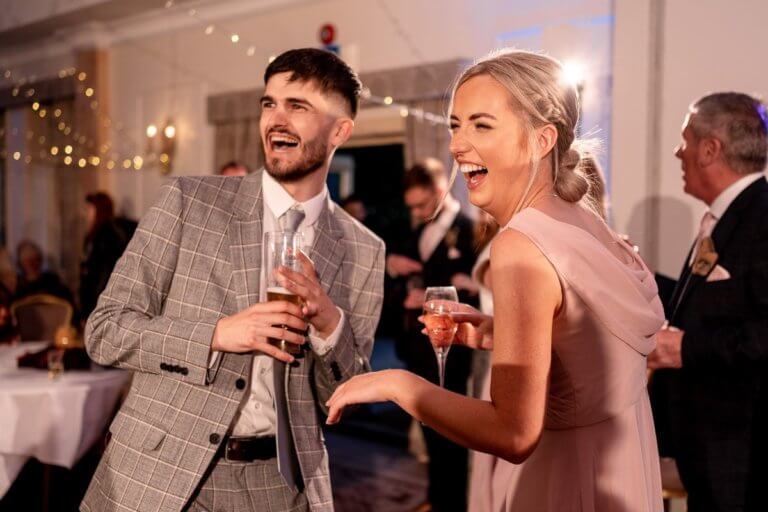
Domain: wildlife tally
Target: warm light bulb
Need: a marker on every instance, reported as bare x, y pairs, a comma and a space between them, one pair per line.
110, 165
151, 130
16, 155
35, 106
209, 30
68, 160
164, 158
127, 163
388, 100
137, 162
251, 51
57, 112
95, 160
81, 162
82, 76
403, 112
54, 150
89, 92
68, 149
170, 131
234, 38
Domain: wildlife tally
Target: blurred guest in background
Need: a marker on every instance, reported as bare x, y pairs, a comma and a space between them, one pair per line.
8, 276
234, 168
105, 242
354, 205
32, 278
440, 248
8, 332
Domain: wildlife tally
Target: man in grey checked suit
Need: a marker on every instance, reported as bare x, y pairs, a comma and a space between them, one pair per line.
217, 418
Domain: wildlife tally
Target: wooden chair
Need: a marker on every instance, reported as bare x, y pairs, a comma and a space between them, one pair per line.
38, 316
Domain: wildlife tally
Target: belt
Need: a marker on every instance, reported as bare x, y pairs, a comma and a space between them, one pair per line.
248, 449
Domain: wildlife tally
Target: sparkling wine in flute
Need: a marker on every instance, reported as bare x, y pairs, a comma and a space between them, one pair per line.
439, 303
441, 329
280, 293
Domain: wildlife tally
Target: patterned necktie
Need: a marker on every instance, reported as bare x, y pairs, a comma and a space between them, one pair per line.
708, 222
287, 461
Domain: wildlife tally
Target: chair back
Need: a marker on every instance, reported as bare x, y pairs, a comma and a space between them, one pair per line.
38, 316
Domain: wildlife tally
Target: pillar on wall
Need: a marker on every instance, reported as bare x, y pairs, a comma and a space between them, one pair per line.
635, 124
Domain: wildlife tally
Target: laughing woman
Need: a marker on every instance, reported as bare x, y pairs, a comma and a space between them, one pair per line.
575, 313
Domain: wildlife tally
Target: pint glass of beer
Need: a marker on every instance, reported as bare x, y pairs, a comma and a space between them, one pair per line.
281, 249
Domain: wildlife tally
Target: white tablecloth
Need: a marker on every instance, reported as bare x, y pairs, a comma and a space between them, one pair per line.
55, 421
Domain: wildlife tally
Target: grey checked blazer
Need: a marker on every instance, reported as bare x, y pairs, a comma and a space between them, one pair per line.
195, 258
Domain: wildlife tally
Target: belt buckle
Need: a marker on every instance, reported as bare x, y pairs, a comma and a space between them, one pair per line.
227, 450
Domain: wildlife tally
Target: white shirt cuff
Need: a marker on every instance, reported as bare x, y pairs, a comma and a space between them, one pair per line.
322, 346
212, 358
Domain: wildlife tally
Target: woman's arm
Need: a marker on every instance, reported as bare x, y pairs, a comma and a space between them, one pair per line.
527, 296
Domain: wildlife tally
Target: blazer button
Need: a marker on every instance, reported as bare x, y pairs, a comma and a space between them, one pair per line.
240, 383
214, 438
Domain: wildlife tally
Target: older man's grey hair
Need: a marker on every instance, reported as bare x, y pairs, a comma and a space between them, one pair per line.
740, 123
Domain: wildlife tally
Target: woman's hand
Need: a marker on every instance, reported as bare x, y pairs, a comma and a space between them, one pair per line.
367, 388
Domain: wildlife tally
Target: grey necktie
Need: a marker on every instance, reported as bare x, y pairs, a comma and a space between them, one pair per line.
286, 451
291, 219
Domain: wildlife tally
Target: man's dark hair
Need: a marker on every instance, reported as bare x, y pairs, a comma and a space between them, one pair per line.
424, 174
329, 72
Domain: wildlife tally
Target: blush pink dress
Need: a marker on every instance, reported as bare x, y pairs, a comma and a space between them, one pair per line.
598, 450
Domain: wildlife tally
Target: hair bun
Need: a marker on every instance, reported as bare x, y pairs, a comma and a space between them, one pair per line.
570, 160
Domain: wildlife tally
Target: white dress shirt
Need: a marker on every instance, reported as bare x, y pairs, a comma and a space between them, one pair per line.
257, 414
435, 231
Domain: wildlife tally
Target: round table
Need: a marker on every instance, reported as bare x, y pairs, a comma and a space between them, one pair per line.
56, 421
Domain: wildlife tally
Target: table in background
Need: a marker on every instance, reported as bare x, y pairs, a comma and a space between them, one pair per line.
55, 421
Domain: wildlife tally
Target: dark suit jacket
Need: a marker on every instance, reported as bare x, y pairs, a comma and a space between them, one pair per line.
412, 346
713, 413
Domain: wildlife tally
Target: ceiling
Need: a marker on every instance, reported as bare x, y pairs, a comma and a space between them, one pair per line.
26, 21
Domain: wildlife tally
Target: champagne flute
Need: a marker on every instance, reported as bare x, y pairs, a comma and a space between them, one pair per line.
439, 303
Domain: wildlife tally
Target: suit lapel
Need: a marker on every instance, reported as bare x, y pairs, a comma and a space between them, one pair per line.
721, 237
327, 250
245, 240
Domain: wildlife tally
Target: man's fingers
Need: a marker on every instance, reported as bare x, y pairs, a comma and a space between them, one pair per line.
286, 319
271, 350
307, 267
276, 306
279, 332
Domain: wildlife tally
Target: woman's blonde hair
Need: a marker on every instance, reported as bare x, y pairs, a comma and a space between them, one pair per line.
539, 92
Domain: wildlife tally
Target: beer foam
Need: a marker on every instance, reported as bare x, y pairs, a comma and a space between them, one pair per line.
279, 289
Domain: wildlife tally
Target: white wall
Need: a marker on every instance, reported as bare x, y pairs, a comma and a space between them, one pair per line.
706, 46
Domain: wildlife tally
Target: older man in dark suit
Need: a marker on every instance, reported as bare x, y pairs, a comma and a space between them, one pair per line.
711, 390
217, 417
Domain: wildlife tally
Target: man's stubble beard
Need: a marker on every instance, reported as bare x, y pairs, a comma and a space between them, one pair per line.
313, 158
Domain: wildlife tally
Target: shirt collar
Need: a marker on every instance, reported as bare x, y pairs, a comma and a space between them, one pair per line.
450, 208
727, 196
279, 201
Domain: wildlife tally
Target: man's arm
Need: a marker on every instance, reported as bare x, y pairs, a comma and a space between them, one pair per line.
350, 355
127, 329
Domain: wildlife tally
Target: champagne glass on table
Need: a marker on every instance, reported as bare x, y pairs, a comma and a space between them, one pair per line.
281, 249
439, 303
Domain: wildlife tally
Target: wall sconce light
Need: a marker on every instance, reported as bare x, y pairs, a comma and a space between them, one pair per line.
161, 145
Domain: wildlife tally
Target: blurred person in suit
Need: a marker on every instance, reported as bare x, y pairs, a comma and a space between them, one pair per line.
710, 385
217, 417
441, 247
